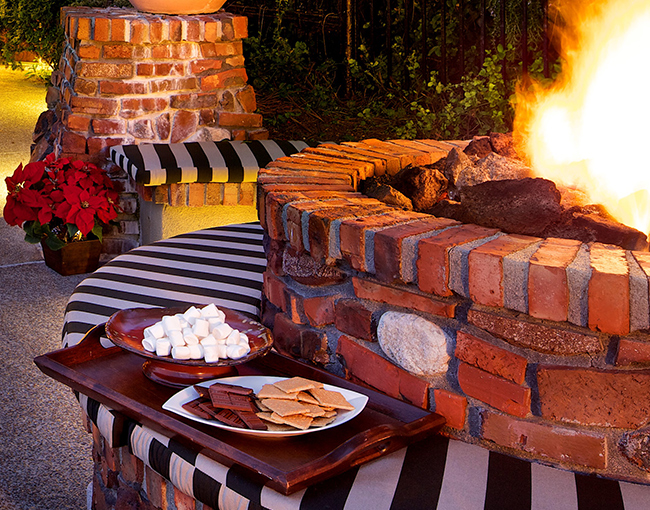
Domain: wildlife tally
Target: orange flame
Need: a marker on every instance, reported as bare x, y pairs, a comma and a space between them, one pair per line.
589, 129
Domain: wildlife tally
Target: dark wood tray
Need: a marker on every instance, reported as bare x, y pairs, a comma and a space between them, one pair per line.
114, 377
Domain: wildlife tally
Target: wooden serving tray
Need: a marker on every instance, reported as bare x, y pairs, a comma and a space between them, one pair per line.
114, 377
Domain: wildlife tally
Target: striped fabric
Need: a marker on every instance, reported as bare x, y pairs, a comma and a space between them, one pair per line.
163, 163
433, 474
222, 265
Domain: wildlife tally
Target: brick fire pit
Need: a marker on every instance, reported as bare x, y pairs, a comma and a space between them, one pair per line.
536, 347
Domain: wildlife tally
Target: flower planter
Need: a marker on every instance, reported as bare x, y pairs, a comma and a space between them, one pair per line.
176, 7
74, 258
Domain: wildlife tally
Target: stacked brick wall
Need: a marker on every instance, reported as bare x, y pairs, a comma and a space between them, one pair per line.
128, 77
548, 338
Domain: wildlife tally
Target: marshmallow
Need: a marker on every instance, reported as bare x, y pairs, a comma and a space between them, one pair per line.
181, 352
191, 339
233, 337
210, 310
201, 328
163, 347
171, 323
243, 339
156, 331
214, 321
221, 351
149, 343
191, 314
221, 331
210, 354
196, 351
176, 338
208, 340
236, 351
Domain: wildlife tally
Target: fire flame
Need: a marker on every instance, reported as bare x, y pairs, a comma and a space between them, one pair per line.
589, 129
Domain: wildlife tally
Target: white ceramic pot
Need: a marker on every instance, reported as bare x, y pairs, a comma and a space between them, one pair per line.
178, 6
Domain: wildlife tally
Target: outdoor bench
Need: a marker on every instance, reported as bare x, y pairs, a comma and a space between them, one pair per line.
224, 265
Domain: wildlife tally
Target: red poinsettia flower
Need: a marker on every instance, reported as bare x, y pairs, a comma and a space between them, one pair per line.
45, 196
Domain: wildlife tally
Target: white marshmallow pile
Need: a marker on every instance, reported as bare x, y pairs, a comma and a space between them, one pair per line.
196, 334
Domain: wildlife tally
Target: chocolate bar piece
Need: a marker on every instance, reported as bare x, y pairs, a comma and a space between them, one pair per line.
202, 391
251, 420
230, 388
225, 416
231, 401
194, 408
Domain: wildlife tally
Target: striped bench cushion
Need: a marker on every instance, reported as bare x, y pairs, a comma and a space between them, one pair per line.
434, 474
221, 265
226, 161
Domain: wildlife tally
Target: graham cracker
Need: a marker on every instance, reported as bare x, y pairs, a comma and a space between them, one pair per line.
271, 391
284, 407
296, 384
331, 399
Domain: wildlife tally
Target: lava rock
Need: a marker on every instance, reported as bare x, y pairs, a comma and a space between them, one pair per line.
455, 163
502, 144
586, 226
414, 343
492, 168
450, 209
387, 194
479, 147
518, 206
424, 185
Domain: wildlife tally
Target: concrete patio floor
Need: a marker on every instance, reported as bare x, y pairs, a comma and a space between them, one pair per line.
45, 455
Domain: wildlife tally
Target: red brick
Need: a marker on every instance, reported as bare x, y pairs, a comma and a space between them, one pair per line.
117, 51
240, 27
633, 351
120, 30
352, 234
593, 397
486, 267
121, 88
273, 175
109, 126
406, 157
199, 66
301, 341
94, 105
490, 358
210, 31
383, 163
452, 406
504, 395
609, 290
274, 290
272, 205
102, 29
388, 246
161, 51
378, 166
182, 51
433, 256
83, 28
139, 32
78, 122
132, 467
104, 70
144, 69
156, 31
72, 142
134, 107
294, 217
434, 154
221, 49
156, 488
364, 365
89, 51
196, 197
548, 291
309, 168
246, 98
321, 244
580, 447
538, 336
141, 128
363, 169
177, 194
319, 310
353, 318
193, 30
231, 194
224, 79
375, 291
183, 501
247, 192
98, 145
248, 120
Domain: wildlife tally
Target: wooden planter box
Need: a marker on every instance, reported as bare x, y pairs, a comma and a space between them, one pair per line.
74, 258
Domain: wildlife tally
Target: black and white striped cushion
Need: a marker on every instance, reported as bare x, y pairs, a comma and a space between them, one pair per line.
221, 265
226, 161
433, 474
